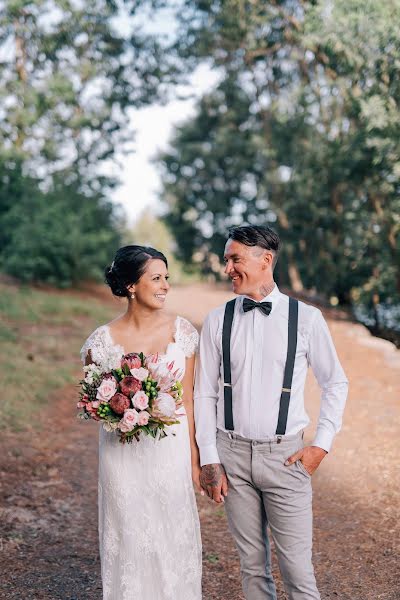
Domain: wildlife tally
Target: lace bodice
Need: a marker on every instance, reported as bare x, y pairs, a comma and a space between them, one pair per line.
107, 354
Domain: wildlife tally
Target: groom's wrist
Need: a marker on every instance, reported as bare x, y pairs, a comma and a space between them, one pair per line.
323, 440
209, 455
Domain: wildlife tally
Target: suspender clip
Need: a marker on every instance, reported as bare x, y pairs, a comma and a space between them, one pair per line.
287, 390
227, 385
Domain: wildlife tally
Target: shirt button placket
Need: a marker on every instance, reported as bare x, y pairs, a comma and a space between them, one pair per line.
256, 373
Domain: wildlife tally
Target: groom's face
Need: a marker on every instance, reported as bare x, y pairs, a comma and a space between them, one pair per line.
247, 267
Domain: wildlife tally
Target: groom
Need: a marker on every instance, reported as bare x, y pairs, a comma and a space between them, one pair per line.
250, 415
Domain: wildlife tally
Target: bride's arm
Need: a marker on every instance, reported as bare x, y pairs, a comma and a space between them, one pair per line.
188, 385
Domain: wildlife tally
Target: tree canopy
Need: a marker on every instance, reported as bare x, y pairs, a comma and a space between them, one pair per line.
301, 132
69, 72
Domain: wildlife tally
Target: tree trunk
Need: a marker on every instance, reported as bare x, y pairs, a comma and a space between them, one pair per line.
20, 67
294, 276
293, 272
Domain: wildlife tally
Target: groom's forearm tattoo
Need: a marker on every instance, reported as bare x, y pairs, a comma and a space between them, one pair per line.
211, 475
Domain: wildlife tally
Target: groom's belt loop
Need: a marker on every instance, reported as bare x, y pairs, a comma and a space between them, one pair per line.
289, 366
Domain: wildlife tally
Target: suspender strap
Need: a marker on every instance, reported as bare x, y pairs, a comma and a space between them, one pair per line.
288, 376
226, 361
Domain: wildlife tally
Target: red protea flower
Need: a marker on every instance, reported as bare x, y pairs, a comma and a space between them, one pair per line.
132, 361
130, 385
119, 403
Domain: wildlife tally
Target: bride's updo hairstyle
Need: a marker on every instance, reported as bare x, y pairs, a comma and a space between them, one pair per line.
128, 266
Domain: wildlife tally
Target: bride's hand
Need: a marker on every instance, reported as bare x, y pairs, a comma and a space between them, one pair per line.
196, 470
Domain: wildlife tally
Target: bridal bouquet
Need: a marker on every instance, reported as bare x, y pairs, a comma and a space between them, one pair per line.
142, 396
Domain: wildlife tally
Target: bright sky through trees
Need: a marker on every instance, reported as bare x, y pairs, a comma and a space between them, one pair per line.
153, 125
140, 178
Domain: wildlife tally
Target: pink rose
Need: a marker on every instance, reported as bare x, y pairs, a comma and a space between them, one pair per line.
140, 400
106, 389
143, 418
119, 403
130, 385
140, 374
81, 404
132, 361
129, 420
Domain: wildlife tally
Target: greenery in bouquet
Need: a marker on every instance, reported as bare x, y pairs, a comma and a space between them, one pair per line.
142, 395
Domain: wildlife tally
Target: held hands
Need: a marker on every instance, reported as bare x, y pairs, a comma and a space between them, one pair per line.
310, 456
213, 480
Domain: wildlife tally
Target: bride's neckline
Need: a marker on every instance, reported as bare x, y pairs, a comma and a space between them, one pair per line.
120, 346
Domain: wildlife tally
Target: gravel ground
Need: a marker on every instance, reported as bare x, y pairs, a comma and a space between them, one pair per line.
48, 517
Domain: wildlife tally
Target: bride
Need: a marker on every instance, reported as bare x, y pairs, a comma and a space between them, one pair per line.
150, 546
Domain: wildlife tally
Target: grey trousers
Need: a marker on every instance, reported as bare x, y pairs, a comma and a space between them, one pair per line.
264, 492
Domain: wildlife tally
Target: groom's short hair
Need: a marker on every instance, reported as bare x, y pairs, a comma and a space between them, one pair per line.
257, 235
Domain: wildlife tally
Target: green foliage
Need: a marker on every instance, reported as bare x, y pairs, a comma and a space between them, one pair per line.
211, 174
302, 132
67, 77
60, 236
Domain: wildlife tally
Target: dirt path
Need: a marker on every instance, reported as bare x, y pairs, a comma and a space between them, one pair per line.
48, 519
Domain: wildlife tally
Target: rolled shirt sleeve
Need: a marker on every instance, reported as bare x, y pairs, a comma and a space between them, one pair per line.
206, 392
332, 380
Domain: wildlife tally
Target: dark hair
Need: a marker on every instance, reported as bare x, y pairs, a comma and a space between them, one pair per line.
128, 266
257, 235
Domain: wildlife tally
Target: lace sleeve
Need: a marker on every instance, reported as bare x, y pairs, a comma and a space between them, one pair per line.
187, 336
92, 344
103, 352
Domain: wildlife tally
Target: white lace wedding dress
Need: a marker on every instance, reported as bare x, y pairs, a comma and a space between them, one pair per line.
150, 546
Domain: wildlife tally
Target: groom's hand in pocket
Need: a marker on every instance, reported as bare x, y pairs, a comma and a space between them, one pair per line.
310, 456
213, 480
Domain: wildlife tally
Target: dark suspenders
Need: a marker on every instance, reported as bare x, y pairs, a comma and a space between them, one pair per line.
226, 362
289, 366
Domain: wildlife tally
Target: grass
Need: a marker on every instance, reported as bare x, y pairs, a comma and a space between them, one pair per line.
41, 333
212, 558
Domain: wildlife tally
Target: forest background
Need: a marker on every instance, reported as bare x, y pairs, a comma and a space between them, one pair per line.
299, 129
301, 132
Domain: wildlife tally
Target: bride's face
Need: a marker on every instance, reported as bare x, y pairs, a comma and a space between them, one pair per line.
152, 288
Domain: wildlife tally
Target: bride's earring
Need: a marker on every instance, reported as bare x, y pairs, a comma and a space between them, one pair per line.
132, 296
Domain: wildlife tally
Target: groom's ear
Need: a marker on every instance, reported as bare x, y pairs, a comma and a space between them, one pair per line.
268, 260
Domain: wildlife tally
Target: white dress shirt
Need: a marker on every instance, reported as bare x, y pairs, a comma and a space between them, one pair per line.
258, 357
